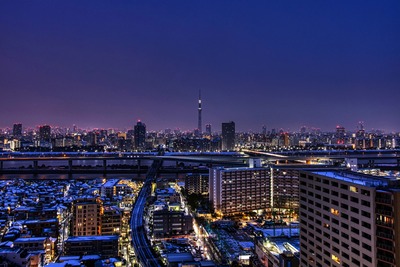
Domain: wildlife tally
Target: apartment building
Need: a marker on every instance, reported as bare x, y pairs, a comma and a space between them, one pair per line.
237, 190
168, 223
196, 183
87, 216
348, 219
106, 246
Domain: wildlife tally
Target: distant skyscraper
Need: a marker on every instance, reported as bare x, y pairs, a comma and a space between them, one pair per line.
228, 135
340, 133
45, 132
208, 129
199, 123
361, 131
264, 130
140, 135
17, 129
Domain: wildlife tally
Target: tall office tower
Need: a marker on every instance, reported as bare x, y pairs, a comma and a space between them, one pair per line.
45, 132
239, 190
91, 138
264, 130
140, 135
349, 219
199, 123
228, 135
86, 214
208, 129
340, 134
286, 139
17, 129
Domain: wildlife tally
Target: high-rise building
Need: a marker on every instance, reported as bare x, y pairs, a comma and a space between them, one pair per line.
264, 130
199, 122
91, 138
45, 132
348, 219
17, 129
239, 189
228, 135
111, 221
90, 217
196, 183
340, 134
87, 216
140, 135
285, 139
387, 203
208, 129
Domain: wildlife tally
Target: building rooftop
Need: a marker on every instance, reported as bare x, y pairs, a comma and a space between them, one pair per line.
91, 238
280, 231
30, 239
356, 178
111, 183
179, 257
280, 245
241, 169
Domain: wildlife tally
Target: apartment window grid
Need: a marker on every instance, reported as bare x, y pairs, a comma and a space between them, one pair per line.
385, 229
286, 189
336, 224
245, 190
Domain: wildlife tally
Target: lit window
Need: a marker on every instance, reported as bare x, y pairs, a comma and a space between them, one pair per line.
336, 259
353, 189
334, 211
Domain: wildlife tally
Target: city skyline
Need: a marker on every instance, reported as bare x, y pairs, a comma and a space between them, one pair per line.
216, 129
106, 65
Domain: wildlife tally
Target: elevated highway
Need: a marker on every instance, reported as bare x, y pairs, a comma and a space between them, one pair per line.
141, 246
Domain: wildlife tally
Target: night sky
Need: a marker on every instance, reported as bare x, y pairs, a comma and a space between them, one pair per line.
282, 64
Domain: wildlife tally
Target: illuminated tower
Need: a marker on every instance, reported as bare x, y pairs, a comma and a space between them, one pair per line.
199, 116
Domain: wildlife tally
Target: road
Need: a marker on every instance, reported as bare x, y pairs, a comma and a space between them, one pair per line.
140, 243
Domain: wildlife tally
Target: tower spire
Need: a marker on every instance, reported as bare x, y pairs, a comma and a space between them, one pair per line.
199, 123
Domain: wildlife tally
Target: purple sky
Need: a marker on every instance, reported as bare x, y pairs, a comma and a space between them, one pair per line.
282, 64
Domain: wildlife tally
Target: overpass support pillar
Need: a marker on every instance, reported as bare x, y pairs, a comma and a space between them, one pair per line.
1, 165
104, 164
35, 164
70, 164
138, 164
